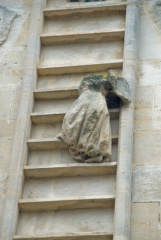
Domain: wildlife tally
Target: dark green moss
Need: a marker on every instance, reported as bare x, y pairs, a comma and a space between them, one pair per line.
95, 82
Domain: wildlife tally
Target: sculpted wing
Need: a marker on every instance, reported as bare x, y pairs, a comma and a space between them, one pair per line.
120, 88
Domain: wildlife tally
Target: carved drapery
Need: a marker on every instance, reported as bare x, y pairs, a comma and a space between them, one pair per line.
86, 127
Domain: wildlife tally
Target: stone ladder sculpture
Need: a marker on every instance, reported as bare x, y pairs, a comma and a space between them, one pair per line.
62, 199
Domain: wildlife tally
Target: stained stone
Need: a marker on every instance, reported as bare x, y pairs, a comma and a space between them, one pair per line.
6, 18
86, 127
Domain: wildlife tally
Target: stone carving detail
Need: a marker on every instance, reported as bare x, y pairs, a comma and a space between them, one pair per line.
6, 18
86, 127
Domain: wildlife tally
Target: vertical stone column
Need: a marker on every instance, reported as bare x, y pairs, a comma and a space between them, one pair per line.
19, 150
125, 148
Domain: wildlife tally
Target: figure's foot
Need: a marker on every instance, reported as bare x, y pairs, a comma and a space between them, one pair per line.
107, 159
97, 159
59, 136
78, 158
76, 155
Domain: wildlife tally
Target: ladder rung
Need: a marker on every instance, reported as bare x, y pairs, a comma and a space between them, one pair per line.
115, 34
90, 9
47, 118
70, 170
56, 93
69, 236
31, 205
94, 67
46, 144
51, 118
54, 143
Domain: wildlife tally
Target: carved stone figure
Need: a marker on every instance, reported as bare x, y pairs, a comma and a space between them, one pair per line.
6, 18
86, 127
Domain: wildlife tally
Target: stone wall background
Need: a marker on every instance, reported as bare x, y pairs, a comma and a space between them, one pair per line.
12, 58
146, 185
146, 188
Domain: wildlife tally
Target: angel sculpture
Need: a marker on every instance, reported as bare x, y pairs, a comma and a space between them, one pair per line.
86, 127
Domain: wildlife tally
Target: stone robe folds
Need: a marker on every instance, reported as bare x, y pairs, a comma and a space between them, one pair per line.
86, 127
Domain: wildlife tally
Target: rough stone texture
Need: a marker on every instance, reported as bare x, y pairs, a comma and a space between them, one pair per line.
144, 221
6, 19
86, 127
147, 141
14, 18
146, 184
154, 7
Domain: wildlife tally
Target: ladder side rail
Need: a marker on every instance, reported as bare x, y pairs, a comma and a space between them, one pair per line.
19, 149
126, 126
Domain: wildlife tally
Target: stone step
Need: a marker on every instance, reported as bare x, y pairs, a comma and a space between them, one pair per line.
70, 170
48, 94
93, 67
69, 236
50, 118
107, 8
46, 118
114, 34
54, 143
46, 144
31, 205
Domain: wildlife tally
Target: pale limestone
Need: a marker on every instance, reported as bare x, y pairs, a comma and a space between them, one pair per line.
149, 189
57, 157
76, 54
147, 147
11, 66
7, 16
12, 59
147, 30
145, 221
77, 25
144, 97
149, 72
72, 221
52, 188
145, 216
144, 125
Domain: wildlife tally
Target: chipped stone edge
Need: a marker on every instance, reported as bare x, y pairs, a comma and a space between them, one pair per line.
19, 149
122, 212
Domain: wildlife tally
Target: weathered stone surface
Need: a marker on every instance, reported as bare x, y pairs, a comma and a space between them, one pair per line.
150, 71
72, 221
86, 127
6, 18
14, 20
144, 97
147, 29
155, 10
147, 144
146, 183
147, 148
145, 221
